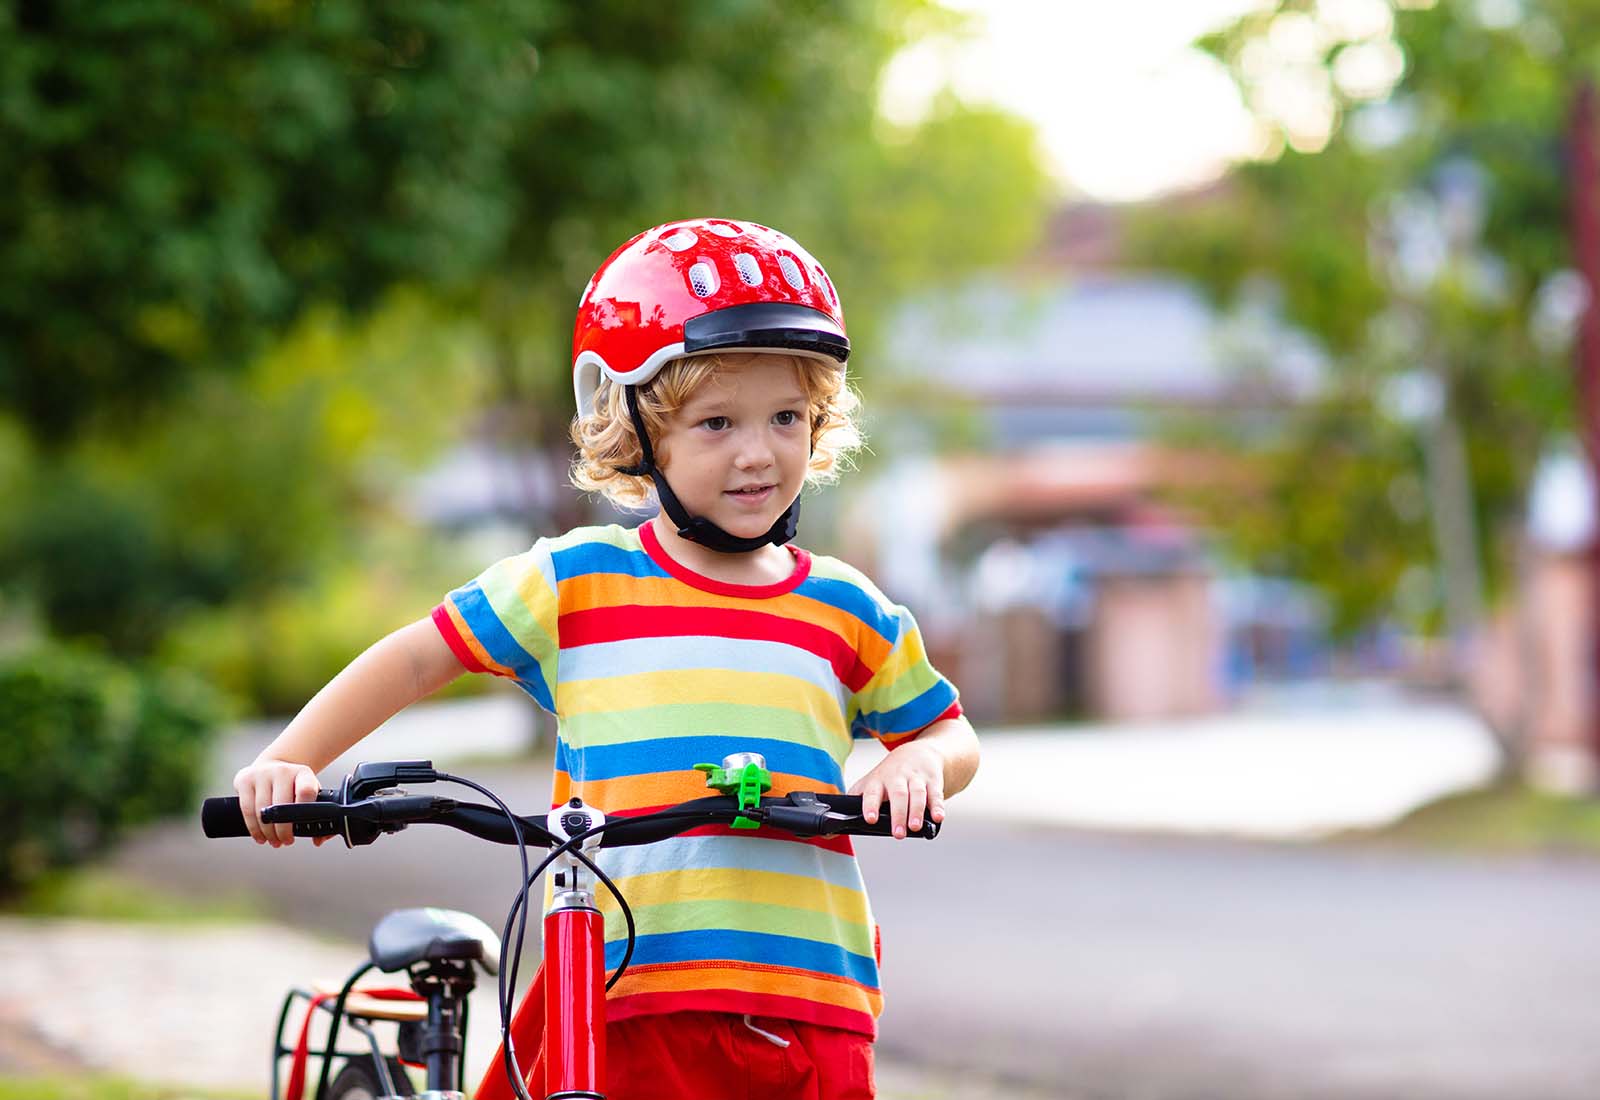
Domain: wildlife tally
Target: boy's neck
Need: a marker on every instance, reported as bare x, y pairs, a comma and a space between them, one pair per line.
767, 565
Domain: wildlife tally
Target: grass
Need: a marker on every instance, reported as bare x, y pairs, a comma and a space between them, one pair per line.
100, 1088
1504, 819
94, 894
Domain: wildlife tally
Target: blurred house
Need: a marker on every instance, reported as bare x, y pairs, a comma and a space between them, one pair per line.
1047, 572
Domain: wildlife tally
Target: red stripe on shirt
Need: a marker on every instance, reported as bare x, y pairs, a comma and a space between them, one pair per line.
452, 638
738, 1001
951, 711
628, 621
839, 844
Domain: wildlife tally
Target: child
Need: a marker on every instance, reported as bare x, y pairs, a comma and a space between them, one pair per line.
708, 368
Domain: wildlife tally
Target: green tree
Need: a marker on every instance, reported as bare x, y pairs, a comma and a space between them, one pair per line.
1411, 213
187, 179
184, 179
208, 201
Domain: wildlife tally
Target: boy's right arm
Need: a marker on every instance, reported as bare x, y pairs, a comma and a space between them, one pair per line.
408, 665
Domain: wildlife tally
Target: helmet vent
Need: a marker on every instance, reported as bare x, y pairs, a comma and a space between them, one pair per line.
791, 272
723, 229
749, 270
703, 279
679, 239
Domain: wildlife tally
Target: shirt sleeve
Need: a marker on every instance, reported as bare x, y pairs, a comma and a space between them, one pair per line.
504, 622
906, 694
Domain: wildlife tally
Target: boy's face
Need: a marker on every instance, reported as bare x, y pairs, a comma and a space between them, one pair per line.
736, 452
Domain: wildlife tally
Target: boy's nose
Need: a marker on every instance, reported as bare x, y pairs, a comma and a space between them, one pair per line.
755, 451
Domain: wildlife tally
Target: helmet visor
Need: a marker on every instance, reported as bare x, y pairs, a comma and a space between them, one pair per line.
774, 325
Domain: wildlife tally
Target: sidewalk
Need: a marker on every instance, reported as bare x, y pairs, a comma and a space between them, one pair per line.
1291, 768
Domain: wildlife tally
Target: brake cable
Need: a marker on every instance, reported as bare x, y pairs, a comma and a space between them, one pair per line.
513, 1070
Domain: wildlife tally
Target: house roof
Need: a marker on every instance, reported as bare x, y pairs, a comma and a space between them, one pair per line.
1098, 339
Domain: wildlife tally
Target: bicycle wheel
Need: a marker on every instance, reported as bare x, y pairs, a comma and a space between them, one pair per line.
358, 1080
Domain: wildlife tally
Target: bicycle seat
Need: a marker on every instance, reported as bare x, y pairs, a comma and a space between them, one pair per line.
409, 936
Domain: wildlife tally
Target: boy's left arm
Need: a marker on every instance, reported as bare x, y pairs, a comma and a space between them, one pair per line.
917, 776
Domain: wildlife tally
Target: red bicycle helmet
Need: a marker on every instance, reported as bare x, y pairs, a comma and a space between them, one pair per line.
707, 284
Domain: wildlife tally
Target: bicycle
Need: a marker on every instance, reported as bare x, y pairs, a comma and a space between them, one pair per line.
440, 950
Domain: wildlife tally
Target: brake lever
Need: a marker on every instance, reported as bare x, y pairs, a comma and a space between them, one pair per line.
802, 813
379, 775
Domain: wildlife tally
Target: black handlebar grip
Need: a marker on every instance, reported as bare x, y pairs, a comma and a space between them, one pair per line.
811, 817
221, 817
883, 826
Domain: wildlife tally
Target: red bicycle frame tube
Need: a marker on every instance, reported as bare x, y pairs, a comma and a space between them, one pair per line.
559, 1029
575, 1003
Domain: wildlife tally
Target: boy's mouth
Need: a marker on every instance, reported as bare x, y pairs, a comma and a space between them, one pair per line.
751, 492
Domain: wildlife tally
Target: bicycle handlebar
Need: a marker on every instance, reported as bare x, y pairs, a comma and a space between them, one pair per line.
363, 820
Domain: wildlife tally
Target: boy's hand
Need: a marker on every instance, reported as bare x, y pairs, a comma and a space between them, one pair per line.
911, 777
272, 783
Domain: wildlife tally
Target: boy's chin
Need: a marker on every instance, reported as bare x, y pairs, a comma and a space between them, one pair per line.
748, 525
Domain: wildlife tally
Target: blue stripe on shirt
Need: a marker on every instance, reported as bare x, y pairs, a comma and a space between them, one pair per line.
914, 715
709, 945
484, 623
679, 754
850, 598
603, 557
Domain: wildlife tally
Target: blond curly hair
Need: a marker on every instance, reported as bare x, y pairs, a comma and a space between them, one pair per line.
606, 440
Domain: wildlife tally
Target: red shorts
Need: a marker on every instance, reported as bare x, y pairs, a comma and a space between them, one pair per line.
718, 1056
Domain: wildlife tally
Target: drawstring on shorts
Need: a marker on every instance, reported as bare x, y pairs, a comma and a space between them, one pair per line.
775, 1040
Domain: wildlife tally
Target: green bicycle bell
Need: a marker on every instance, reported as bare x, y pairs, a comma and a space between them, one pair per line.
741, 775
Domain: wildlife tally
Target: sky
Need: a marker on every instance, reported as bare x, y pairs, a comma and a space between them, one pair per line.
1125, 107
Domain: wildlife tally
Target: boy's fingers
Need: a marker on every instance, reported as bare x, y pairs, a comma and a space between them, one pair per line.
871, 799
283, 793
916, 803
898, 797
247, 810
935, 805
269, 833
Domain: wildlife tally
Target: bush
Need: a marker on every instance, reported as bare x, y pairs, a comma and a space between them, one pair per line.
273, 655
88, 748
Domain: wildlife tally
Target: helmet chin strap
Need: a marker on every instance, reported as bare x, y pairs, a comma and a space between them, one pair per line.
698, 529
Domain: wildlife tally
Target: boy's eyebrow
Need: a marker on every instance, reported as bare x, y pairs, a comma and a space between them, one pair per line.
704, 406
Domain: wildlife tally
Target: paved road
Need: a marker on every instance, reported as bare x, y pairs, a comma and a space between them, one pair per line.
1134, 967
1128, 967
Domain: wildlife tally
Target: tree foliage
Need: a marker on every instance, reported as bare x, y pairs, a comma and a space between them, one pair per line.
186, 179
257, 260
1471, 135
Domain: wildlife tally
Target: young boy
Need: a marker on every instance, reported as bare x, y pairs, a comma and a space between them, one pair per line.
709, 369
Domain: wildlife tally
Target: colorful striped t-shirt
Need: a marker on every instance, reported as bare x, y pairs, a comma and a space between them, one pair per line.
650, 669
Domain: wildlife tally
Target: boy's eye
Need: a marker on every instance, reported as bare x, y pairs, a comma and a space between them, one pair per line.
715, 423
787, 417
